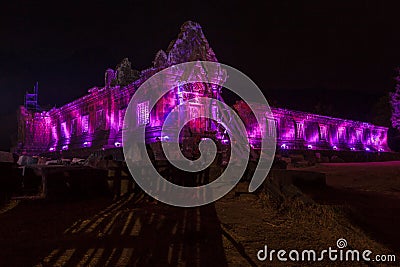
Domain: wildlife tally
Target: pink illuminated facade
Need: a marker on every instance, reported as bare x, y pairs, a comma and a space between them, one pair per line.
95, 121
302, 130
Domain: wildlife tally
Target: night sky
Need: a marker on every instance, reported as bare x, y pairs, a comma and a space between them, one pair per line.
340, 53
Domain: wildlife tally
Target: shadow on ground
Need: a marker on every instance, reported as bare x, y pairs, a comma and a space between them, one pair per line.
133, 231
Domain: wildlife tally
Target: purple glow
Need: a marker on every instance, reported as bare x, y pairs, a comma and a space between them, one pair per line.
54, 134
289, 132
323, 132
180, 95
85, 123
117, 144
65, 147
342, 134
294, 129
367, 149
299, 130
255, 133
64, 131
52, 149
87, 144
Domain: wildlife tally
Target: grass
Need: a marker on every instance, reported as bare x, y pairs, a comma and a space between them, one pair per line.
284, 218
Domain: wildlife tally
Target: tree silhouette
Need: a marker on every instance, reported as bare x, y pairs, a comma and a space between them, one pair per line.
393, 136
125, 74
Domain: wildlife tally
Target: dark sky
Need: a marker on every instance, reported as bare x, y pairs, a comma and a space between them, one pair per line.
299, 52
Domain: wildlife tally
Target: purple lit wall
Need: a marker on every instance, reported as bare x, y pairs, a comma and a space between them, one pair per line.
302, 130
95, 121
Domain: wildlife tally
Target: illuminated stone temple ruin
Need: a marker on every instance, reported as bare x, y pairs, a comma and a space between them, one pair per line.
94, 121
